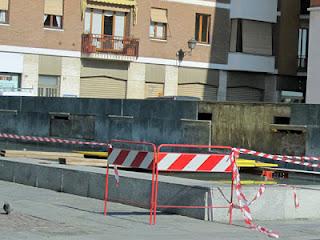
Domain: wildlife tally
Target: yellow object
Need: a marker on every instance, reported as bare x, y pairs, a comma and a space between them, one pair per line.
252, 163
252, 182
83, 8
120, 2
94, 154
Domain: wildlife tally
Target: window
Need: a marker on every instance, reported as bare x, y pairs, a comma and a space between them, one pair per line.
9, 81
158, 24
252, 37
105, 22
53, 14
303, 49
52, 21
202, 34
4, 7
48, 86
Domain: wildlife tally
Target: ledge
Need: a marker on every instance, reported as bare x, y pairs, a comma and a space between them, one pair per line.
284, 127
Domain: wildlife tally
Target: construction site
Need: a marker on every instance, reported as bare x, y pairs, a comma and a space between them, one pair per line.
226, 168
159, 119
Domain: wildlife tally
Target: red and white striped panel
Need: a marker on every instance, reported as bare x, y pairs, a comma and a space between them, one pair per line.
189, 162
131, 158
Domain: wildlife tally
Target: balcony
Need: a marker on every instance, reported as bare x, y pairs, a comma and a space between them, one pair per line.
109, 47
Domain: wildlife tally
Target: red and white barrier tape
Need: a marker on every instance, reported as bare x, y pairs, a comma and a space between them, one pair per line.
49, 140
261, 190
295, 197
259, 193
117, 176
244, 205
289, 159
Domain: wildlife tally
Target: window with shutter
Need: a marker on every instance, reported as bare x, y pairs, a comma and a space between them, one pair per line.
53, 14
4, 11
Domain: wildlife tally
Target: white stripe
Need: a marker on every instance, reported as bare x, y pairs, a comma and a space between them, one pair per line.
168, 160
130, 158
196, 162
114, 154
147, 160
40, 51
202, 3
172, 62
222, 165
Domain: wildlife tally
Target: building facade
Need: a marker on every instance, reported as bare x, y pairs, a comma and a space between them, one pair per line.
313, 84
246, 50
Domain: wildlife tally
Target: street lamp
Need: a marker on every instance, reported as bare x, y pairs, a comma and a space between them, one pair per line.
191, 45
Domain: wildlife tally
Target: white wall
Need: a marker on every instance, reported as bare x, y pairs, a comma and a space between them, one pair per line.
30, 76
70, 77
260, 10
251, 63
313, 81
11, 62
136, 81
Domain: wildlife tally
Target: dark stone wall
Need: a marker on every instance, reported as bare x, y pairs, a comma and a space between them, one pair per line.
157, 121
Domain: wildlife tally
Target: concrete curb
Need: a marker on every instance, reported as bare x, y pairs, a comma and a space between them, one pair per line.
135, 188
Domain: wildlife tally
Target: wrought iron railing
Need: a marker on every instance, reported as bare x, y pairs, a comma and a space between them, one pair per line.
93, 43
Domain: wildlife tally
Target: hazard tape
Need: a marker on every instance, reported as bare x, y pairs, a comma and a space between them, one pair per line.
117, 176
261, 190
283, 158
49, 140
259, 193
295, 198
243, 202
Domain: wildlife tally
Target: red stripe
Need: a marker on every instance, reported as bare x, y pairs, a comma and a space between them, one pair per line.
181, 162
121, 157
139, 159
210, 163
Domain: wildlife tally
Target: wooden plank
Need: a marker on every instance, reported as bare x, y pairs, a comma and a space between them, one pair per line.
41, 153
83, 162
93, 154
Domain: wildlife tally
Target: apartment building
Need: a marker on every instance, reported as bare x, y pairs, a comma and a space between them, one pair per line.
40, 43
313, 83
222, 66
223, 50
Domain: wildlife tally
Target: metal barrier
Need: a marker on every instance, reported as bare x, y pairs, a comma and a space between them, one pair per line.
193, 162
134, 159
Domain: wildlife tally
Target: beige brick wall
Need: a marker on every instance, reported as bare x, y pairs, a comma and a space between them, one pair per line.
181, 28
26, 26
30, 73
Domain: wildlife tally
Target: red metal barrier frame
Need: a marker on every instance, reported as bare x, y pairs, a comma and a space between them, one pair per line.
156, 189
154, 147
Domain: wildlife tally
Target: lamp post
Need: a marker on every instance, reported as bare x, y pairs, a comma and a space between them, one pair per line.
191, 45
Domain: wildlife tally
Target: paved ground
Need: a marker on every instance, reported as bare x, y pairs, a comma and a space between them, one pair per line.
45, 214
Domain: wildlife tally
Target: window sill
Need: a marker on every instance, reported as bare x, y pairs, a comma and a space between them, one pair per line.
5, 24
54, 29
159, 40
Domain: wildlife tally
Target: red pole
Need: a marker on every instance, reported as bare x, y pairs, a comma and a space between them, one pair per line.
156, 195
232, 186
106, 191
152, 187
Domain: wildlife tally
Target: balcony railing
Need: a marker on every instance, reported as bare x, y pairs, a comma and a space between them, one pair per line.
93, 43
